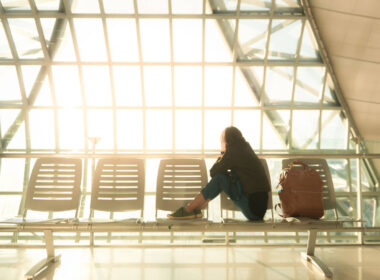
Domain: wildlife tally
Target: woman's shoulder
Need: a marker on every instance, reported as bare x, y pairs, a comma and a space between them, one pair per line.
243, 150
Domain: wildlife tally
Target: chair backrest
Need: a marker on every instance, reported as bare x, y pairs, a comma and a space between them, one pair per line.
178, 182
227, 204
118, 185
54, 185
321, 166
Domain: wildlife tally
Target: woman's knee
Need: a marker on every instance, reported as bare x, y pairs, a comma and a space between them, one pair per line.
215, 186
221, 179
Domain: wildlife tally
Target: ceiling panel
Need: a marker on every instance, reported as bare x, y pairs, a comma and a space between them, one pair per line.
350, 30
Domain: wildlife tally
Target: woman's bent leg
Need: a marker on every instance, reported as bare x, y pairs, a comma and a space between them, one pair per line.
216, 185
210, 191
199, 202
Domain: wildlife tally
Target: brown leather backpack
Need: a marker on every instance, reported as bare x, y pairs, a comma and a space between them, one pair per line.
301, 192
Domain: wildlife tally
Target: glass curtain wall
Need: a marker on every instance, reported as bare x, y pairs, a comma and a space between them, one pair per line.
166, 77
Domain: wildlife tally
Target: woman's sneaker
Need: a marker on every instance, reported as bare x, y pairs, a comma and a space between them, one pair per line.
182, 214
198, 213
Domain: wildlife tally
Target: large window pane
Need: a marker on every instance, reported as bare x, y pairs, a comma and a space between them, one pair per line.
334, 130
158, 85
215, 122
18, 141
216, 46
123, 39
100, 124
25, 37
8, 122
188, 129
129, 129
12, 174
252, 38
159, 129
67, 94
276, 129
248, 121
287, 3
47, 25
279, 85
86, 6
49, 5
29, 74
188, 85
187, 40
153, 6
309, 84
117, 6
127, 83
9, 205
339, 174
187, 7
248, 86
9, 86
5, 51
305, 129
90, 37
226, 5
155, 40
41, 123
218, 86
284, 39
71, 130
7, 119
44, 96
309, 46
15, 5
263, 5
97, 85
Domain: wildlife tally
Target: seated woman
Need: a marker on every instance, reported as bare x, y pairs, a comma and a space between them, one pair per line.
239, 173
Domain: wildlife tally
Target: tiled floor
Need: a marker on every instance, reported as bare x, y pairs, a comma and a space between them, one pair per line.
220, 263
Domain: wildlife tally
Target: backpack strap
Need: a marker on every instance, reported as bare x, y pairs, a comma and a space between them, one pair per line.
278, 212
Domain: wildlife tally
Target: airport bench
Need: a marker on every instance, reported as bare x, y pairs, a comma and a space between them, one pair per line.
118, 185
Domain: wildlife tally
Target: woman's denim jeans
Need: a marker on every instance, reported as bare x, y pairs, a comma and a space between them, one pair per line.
233, 188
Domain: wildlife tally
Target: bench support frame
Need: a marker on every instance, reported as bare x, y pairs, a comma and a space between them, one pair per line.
310, 257
50, 259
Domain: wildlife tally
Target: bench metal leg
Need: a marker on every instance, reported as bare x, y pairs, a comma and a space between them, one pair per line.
51, 258
309, 255
92, 239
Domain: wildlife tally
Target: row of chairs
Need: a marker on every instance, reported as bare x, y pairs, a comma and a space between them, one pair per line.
119, 184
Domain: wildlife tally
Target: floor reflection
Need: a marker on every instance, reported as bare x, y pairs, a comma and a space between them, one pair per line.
222, 263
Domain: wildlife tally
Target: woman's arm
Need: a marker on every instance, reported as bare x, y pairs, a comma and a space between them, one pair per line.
222, 164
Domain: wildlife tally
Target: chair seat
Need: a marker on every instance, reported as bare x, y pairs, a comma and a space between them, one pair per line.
111, 221
163, 221
308, 221
244, 221
20, 220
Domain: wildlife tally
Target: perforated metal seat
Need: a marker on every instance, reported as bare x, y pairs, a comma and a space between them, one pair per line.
227, 204
118, 185
54, 185
178, 182
321, 166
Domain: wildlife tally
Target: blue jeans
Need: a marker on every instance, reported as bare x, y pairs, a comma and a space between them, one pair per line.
234, 190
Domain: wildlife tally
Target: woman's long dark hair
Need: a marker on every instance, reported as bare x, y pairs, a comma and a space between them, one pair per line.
233, 137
